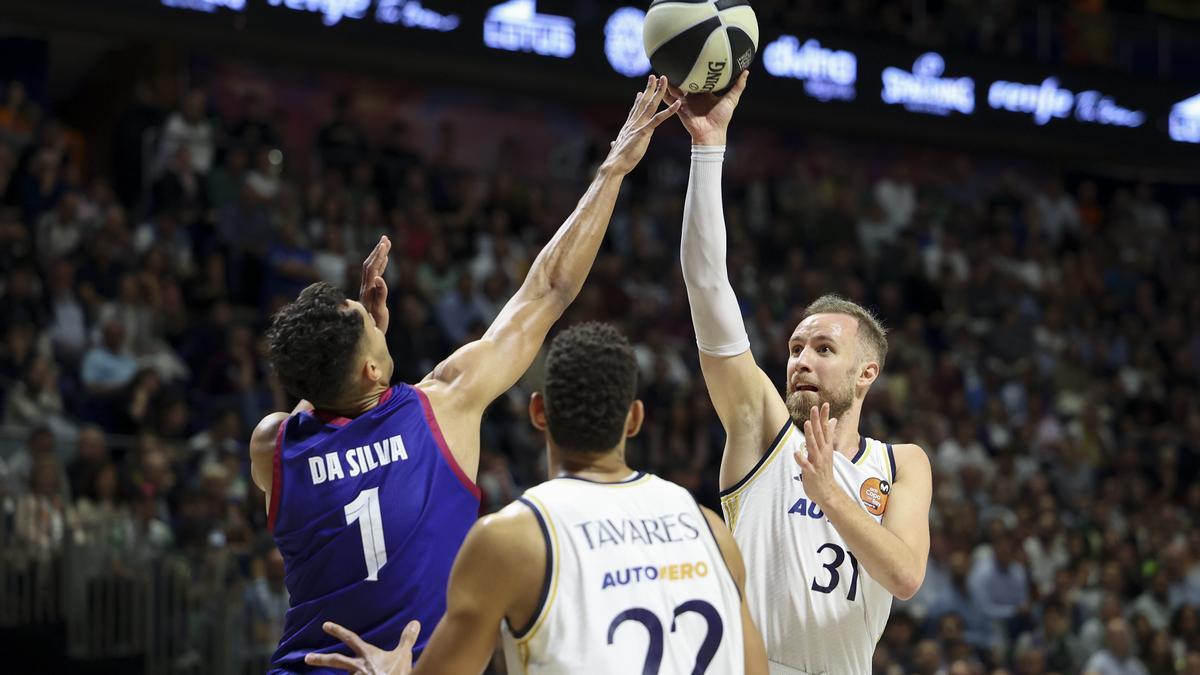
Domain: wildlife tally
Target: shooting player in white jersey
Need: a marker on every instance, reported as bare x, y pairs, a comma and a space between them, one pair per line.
601, 570
832, 524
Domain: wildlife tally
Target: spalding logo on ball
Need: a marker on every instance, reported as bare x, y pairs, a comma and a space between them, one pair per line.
702, 45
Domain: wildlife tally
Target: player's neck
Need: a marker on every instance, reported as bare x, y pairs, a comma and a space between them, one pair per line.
359, 403
846, 438
604, 467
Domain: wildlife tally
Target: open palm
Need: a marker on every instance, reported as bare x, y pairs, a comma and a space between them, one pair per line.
706, 116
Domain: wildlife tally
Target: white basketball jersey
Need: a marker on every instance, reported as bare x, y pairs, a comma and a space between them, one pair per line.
818, 609
635, 583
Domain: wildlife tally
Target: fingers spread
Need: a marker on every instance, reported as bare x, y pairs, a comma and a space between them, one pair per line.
665, 114
345, 635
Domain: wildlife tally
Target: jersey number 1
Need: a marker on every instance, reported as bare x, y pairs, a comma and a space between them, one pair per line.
365, 509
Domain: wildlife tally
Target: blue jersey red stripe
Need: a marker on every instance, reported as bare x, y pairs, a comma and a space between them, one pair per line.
368, 513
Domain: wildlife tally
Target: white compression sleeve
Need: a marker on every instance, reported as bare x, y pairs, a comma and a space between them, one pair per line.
715, 312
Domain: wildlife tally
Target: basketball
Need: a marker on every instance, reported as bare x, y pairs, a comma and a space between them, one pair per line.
700, 46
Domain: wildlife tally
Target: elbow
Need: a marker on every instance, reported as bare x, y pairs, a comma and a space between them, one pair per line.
715, 282
554, 290
906, 585
561, 295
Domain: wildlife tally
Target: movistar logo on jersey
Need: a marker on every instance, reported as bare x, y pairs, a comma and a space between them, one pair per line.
670, 528
635, 575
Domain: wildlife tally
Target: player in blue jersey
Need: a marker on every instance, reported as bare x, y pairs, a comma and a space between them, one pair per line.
370, 487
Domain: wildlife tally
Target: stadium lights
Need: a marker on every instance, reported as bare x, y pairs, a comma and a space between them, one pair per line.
208, 6
407, 13
1184, 123
924, 90
1048, 100
827, 74
515, 26
623, 42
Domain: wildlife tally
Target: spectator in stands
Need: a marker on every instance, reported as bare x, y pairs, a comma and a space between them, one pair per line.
17, 466
265, 602
68, 320
341, 141
1117, 656
91, 455
190, 128
36, 400
180, 188
18, 115
60, 231
108, 365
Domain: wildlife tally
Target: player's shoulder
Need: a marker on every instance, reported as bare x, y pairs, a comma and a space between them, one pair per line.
515, 527
266, 431
911, 459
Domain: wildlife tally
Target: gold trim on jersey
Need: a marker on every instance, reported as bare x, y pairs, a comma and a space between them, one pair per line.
554, 556
731, 502
523, 654
866, 453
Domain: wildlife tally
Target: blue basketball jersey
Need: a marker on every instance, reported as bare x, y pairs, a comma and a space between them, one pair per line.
368, 514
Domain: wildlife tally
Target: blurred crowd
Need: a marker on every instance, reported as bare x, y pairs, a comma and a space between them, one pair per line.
1045, 348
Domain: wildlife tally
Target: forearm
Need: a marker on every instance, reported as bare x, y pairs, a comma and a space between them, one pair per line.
885, 556
716, 315
563, 264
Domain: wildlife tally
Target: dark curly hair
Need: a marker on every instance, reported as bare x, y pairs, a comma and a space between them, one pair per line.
313, 342
591, 380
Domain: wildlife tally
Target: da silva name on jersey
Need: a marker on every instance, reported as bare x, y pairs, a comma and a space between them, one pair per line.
358, 460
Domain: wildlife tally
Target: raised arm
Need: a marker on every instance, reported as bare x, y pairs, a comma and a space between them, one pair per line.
746, 400
475, 375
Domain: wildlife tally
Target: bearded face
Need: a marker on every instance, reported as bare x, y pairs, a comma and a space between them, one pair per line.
838, 394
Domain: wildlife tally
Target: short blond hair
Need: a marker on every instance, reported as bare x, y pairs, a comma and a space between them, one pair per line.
871, 333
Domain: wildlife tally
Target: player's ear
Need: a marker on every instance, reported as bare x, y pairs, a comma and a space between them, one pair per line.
867, 373
634, 419
372, 370
537, 410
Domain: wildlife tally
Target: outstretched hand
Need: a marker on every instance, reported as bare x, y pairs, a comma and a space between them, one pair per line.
706, 116
372, 292
644, 118
368, 659
816, 460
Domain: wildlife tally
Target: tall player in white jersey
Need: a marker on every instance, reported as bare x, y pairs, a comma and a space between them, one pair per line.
832, 524
601, 570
